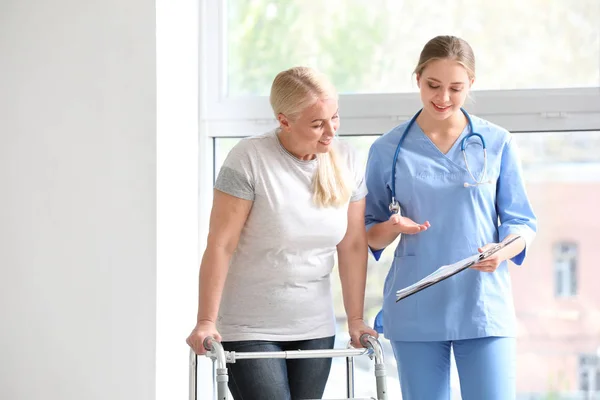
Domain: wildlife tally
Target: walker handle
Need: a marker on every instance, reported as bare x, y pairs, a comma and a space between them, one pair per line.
364, 340
207, 343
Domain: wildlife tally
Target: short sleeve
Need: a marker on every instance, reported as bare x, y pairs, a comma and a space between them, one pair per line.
377, 202
357, 168
237, 174
513, 205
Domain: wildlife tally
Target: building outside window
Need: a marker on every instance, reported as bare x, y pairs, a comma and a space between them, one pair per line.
565, 267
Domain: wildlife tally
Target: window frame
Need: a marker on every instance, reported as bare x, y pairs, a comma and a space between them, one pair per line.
566, 267
589, 372
528, 110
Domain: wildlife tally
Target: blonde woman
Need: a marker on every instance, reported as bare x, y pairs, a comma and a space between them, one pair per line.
285, 203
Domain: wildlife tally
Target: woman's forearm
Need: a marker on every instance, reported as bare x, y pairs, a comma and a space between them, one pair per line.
381, 235
352, 265
512, 249
213, 273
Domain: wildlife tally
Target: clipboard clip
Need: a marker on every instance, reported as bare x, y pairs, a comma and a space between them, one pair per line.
496, 248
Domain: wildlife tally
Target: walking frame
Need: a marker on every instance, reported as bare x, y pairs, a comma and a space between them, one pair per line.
220, 358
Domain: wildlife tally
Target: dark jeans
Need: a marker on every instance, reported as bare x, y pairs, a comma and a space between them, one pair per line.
279, 379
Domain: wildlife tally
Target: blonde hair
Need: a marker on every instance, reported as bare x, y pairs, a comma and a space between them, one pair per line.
447, 47
293, 91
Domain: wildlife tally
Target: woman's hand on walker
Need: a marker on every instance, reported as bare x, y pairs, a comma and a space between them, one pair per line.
202, 330
357, 328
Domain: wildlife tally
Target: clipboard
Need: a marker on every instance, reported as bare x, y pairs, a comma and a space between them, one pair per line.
447, 271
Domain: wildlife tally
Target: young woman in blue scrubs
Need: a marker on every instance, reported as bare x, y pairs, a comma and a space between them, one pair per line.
448, 212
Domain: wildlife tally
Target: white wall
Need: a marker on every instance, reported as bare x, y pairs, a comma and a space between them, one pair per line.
78, 261
178, 185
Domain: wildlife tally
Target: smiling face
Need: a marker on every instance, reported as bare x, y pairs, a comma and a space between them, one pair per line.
444, 85
312, 130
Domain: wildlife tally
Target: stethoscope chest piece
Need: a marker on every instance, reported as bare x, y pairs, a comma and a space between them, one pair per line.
394, 206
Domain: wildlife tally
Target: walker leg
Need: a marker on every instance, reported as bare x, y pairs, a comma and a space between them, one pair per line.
215, 396
193, 376
222, 380
381, 381
217, 354
350, 377
380, 374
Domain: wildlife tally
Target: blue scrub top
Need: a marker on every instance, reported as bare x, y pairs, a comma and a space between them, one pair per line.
430, 187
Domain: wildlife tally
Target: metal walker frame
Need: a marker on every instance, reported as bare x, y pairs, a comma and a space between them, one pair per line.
220, 358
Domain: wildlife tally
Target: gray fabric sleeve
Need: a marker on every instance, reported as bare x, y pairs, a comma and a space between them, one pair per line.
357, 169
236, 176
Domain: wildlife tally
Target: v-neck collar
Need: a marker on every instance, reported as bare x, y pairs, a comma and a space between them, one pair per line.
453, 149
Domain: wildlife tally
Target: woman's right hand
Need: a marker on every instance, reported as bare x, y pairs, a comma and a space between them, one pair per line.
202, 330
406, 225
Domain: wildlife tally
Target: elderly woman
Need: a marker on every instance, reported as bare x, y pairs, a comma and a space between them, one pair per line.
285, 203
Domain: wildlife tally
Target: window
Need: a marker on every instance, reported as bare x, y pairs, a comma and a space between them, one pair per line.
373, 46
565, 266
369, 50
589, 373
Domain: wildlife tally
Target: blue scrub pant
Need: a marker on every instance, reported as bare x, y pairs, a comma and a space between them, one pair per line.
486, 368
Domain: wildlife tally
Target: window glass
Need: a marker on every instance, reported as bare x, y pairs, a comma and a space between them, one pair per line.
373, 46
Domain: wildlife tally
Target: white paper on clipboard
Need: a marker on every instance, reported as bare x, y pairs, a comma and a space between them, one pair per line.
447, 271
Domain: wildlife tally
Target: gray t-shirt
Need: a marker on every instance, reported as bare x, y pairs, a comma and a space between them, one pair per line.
278, 286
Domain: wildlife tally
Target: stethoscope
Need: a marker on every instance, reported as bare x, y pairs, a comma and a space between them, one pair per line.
394, 205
